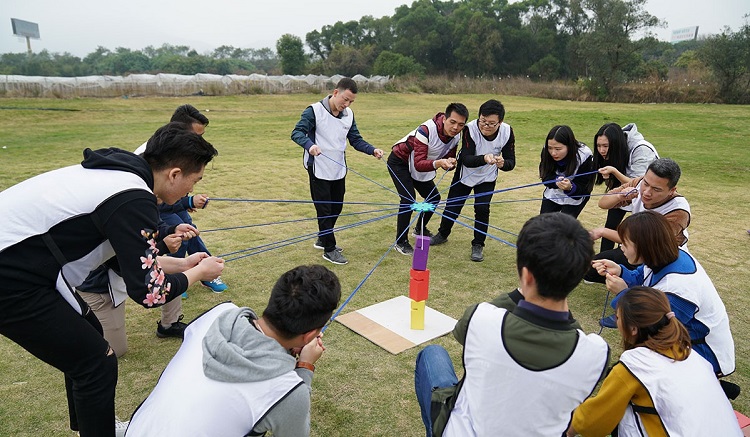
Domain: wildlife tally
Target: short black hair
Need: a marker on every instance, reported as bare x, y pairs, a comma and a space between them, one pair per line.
347, 83
492, 107
189, 115
176, 145
302, 300
667, 169
458, 108
557, 250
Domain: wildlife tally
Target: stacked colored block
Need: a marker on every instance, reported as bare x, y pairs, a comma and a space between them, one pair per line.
419, 281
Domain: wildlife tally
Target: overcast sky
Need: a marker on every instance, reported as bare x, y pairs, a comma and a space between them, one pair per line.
79, 26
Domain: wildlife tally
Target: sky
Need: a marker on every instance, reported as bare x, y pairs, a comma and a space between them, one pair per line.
79, 26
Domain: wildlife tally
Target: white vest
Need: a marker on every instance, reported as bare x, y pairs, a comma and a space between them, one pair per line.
58, 197
686, 395
557, 195
501, 397
330, 136
471, 177
674, 204
697, 288
436, 149
187, 403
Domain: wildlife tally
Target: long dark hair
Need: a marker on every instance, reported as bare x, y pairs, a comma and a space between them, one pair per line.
617, 156
563, 135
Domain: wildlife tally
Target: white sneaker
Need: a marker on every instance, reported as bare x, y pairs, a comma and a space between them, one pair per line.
121, 427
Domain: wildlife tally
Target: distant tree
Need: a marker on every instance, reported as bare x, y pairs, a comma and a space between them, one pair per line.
291, 54
395, 64
349, 61
126, 61
608, 48
727, 56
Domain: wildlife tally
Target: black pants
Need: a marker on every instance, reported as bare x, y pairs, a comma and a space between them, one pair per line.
329, 201
614, 217
456, 200
615, 255
572, 210
42, 322
406, 186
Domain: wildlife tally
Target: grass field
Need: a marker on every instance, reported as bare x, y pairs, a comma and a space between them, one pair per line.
360, 389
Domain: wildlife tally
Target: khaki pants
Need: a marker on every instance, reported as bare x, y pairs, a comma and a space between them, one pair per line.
113, 318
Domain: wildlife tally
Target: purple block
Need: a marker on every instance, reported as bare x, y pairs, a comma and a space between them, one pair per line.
421, 251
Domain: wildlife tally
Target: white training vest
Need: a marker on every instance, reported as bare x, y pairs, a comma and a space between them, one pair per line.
686, 395
436, 149
557, 195
57, 197
674, 204
501, 397
697, 288
471, 177
330, 136
187, 403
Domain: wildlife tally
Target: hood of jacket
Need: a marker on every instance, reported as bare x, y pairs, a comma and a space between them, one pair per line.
235, 351
117, 159
634, 137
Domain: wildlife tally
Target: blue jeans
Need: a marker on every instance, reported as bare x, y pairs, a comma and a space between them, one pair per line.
190, 246
434, 369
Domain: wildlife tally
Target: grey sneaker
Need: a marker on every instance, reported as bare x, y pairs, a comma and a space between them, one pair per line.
476, 252
404, 248
319, 245
335, 257
438, 239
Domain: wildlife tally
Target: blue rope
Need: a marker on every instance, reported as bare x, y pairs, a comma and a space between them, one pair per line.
229, 199
486, 224
296, 220
477, 230
356, 289
395, 176
361, 175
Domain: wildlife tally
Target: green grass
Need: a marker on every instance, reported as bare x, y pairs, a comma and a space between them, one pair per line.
359, 388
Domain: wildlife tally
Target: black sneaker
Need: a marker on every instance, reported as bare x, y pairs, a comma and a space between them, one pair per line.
335, 257
438, 239
176, 330
476, 252
404, 248
422, 231
319, 245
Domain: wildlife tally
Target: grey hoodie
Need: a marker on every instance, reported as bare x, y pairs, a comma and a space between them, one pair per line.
642, 153
235, 351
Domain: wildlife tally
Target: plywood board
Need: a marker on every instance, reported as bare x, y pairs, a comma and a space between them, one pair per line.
387, 324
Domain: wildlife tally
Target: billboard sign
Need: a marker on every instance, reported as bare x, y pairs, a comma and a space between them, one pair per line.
25, 28
684, 34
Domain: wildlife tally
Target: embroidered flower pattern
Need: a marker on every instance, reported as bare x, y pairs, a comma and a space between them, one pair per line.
155, 277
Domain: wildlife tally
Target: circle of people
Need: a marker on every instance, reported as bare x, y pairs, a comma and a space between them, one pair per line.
529, 369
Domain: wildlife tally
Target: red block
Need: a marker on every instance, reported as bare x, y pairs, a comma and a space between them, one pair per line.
419, 285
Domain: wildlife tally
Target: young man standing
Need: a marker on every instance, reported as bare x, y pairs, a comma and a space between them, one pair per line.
247, 375
49, 243
488, 144
413, 163
528, 368
322, 131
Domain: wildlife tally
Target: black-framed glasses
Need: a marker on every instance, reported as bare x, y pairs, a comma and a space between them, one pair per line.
488, 123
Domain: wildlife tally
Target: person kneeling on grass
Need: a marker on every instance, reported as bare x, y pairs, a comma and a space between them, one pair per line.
236, 374
660, 386
528, 368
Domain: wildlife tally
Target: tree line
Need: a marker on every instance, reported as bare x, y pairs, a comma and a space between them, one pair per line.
597, 43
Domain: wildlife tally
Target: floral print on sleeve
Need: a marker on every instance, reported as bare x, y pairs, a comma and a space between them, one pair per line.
158, 288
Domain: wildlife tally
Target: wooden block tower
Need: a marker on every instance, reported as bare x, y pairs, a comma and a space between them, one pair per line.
419, 281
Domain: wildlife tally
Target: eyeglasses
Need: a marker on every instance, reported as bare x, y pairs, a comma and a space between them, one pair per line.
488, 123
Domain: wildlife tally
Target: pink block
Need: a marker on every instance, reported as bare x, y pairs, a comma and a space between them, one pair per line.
421, 251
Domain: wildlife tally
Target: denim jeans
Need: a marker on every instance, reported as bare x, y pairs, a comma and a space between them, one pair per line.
191, 246
434, 369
